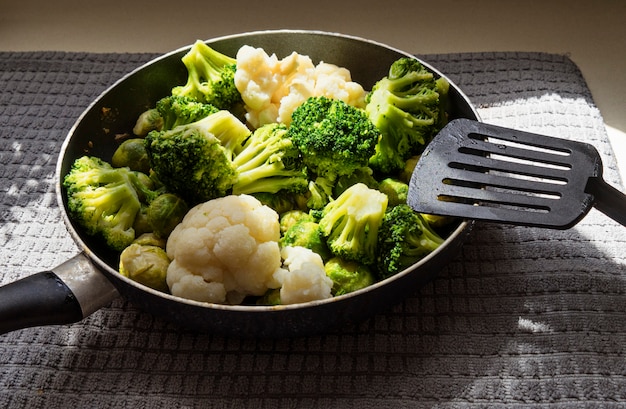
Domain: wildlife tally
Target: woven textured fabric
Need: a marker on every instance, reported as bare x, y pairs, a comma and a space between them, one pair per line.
529, 317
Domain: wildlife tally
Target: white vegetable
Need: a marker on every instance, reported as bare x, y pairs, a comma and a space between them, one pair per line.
224, 250
272, 89
304, 278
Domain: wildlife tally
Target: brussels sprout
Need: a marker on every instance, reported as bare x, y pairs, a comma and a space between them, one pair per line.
150, 120
141, 224
306, 233
145, 264
166, 212
348, 276
150, 239
131, 153
288, 219
396, 191
271, 297
409, 167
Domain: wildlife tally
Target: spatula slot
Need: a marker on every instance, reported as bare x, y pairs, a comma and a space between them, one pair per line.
512, 206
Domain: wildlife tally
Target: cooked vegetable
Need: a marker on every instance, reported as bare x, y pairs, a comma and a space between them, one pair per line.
272, 89
165, 212
131, 153
320, 192
334, 138
211, 77
146, 264
182, 110
149, 120
306, 233
269, 162
194, 160
396, 190
350, 223
363, 175
105, 200
408, 108
348, 275
303, 279
224, 250
291, 217
404, 238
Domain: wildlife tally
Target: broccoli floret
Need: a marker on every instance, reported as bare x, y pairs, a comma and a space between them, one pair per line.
408, 108
182, 110
211, 77
395, 189
320, 193
194, 160
281, 202
105, 200
347, 275
363, 175
269, 162
350, 223
306, 233
403, 239
335, 138
292, 217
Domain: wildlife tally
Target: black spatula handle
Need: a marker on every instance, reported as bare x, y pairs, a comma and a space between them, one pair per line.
608, 200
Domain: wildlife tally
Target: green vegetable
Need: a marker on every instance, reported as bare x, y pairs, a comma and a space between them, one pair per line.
131, 153
292, 217
105, 200
269, 162
281, 202
334, 138
408, 108
151, 239
271, 297
396, 190
306, 233
320, 193
145, 264
194, 160
350, 223
348, 276
363, 175
182, 110
404, 238
166, 212
211, 77
409, 166
149, 120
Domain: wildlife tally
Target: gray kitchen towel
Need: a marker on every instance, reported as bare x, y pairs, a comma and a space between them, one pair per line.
527, 317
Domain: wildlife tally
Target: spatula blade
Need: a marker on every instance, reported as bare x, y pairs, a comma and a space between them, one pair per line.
486, 172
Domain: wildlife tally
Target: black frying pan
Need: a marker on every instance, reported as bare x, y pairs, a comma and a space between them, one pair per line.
90, 280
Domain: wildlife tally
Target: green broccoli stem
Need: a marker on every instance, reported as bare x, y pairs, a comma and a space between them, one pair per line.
423, 238
270, 178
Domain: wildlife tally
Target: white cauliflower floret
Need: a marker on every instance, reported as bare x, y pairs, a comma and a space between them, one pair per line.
272, 89
304, 278
224, 250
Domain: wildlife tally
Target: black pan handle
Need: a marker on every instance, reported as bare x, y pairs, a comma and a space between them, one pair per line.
67, 294
608, 200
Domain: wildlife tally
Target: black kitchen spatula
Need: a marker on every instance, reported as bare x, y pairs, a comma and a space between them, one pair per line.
485, 172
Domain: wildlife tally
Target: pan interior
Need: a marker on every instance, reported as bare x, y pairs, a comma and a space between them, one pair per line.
101, 127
